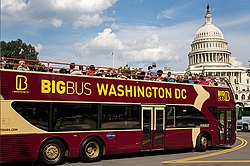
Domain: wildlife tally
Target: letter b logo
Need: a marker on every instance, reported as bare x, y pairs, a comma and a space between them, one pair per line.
21, 82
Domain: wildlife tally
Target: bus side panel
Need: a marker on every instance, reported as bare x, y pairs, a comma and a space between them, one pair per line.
17, 148
178, 139
123, 141
26, 147
114, 141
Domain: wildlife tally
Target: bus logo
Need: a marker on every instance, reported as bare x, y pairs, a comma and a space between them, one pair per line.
111, 135
223, 96
21, 83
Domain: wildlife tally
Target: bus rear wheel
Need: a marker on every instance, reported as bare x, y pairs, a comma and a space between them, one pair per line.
91, 150
201, 143
52, 152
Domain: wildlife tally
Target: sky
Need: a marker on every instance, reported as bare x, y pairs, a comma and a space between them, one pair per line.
118, 32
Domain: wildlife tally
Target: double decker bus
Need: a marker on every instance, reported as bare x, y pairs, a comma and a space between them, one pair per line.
46, 116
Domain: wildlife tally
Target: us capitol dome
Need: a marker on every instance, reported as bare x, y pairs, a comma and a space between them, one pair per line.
210, 56
209, 47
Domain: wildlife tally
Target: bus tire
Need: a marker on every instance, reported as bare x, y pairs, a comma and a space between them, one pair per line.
91, 150
201, 143
52, 152
245, 127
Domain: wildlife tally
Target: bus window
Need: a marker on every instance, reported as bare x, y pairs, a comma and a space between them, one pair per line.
239, 113
229, 125
213, 110
120, 117
37, 113
170, 114
187, 116
67, 117
184, 116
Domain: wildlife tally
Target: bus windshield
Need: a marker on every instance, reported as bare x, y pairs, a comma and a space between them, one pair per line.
246, 111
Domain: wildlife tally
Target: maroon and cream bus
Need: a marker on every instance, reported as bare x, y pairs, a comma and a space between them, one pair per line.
48, 116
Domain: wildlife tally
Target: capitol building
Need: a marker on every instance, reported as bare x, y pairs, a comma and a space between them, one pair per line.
210, 56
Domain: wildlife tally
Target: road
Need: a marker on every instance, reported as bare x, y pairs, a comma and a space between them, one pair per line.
238, 154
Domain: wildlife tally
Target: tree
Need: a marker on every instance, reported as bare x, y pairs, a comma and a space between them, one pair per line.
18, 49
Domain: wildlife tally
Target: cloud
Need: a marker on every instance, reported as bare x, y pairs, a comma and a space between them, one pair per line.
56, 22
83, 6
172, 12
13, 8
98, 49
106, 40
87, 20
235, 62
235, 22
138, 46
38, 47
79, 13
133, 44
169, 14
238, 44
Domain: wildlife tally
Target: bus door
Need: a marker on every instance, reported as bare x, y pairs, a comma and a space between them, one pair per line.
225, 126
153, 119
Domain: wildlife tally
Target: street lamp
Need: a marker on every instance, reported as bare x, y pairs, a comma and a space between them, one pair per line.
113, 56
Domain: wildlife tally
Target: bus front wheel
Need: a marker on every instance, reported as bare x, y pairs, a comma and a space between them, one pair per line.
91, 150
201, 143
52, 152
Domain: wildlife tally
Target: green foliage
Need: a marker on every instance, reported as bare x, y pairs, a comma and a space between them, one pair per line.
18, 49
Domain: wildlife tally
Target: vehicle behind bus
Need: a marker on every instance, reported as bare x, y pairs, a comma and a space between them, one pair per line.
243, 121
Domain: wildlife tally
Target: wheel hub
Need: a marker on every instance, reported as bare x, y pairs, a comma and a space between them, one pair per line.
51, 152
92, 149
204, 141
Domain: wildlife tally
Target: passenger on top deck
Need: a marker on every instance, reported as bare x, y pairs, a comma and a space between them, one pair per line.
159, 75
202, 80
74, 71
112, 73
50, 70
141, 75
212, 82
8, 65
190, 79
22, 66
153, 71
147, 74
126, 69
91, 70
102, 73
82, 70
169, 78
121, 75
221, 82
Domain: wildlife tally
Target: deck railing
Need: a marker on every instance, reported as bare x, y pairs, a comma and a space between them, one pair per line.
56, 67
